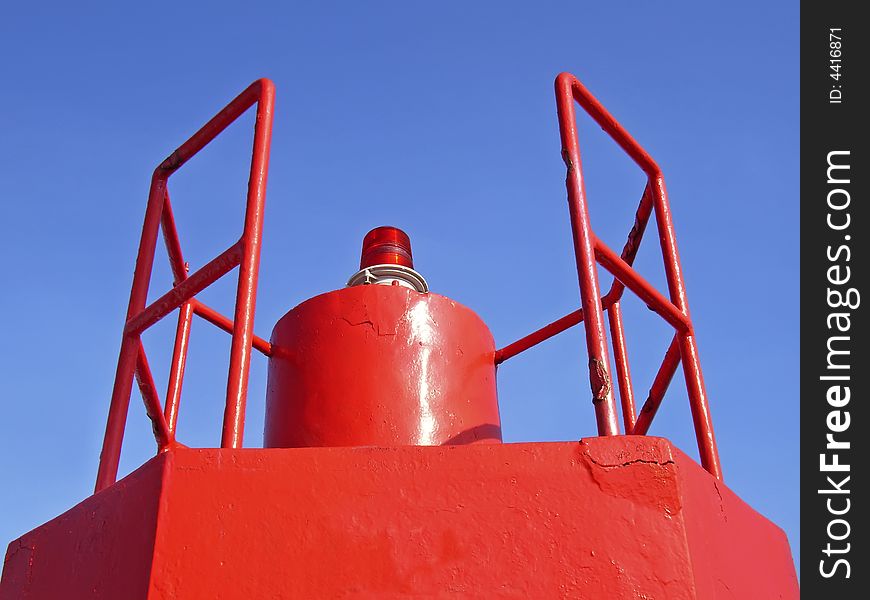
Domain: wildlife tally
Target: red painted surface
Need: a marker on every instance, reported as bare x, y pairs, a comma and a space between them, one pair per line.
616, 518
589, 252
722, 540
389, 245
103, 548
386, 246
244, 254
381, 365
373, 484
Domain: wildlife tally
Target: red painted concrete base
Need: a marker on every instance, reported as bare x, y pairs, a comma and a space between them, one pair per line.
619, 517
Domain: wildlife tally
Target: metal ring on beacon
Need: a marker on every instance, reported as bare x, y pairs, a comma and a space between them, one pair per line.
389, 275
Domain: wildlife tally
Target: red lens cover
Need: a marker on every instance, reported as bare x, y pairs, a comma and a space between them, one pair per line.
386, 246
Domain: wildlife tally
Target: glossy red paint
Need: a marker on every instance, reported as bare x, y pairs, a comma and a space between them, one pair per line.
389, 245
386, 246
245, 254
660, 384
589, 251
381, 365
622, 517
623, 374
390, 390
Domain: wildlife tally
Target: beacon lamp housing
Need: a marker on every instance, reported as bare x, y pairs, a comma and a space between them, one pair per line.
380, 363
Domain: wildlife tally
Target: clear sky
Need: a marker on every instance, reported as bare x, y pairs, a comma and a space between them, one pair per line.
439, 118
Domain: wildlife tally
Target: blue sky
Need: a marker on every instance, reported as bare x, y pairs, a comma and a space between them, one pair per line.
435, 117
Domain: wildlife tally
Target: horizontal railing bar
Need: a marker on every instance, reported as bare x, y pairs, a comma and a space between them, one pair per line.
640, 286
538, 336
222, 322
609, 124
215, 126
184, 291
546, 332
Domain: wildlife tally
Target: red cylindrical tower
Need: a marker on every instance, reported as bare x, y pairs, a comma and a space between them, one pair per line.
381, 363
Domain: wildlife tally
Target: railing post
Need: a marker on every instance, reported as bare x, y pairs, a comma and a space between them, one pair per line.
587, 269
695, 387
233, 432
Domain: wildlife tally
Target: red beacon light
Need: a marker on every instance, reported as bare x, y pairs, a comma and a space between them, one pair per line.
381, 362
386, 259
386, 245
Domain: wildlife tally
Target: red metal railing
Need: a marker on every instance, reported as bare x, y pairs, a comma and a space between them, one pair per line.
589, 250
245, 254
